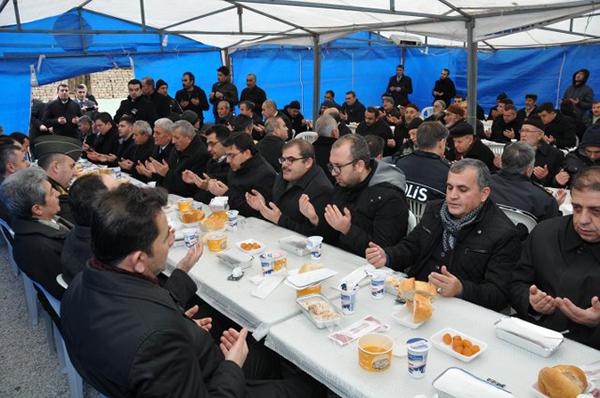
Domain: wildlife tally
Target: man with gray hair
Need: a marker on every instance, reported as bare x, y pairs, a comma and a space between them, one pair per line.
39, 233
464, 245
269, 110
163, 136
189, 153
252, 92
270, 146
142, 149
512, 186
426, 169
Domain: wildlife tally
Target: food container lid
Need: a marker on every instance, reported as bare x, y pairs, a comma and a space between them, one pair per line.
458, 383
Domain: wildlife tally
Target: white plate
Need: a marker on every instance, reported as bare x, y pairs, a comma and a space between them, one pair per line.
437, 341
539, 394
251, 252
404, 317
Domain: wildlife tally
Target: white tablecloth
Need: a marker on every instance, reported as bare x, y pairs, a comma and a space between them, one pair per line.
337, 367
234, 299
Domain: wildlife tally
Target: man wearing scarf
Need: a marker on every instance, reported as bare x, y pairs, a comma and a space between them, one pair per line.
464, 245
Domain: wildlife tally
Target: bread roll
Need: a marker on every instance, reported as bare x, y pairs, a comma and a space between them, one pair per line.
562, 381
306, 267
420, 307
407, 285
425, 288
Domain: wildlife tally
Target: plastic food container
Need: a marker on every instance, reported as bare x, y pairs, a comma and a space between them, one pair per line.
216, 241
458, 383
234, 258
437, 341
375, 352
319, 310
533, 338
295, 245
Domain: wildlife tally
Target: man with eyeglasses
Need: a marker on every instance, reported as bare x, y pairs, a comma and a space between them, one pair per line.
548, 159
270, 146
249, 171
216, 167
368, 203
300, 179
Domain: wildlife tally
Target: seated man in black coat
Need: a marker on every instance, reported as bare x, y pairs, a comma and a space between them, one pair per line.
57, 156
467, 146
555, 283
11, 161
125, 144
368, 202
158, 349
505, 127
425, 169
248, 171
84, 194
300, 179
276, 134
559, 130
548, 159
106, 139
464, 245
142, 149
189, 153
39, 233
216, 167
512, 186
374, 124
586, 155
163, 145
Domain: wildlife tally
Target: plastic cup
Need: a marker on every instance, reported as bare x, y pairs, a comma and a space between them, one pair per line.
184, 205
315, 244
348, 298
216, 241
190, 237
377, 285
232, 220
375, 352
267, 263
417, 349
314, 289
279, 261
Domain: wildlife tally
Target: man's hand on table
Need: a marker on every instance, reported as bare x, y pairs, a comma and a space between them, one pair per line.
375, 255
589, 317
234, 347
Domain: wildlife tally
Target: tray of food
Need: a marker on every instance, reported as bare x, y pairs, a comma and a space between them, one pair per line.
295, 245
319, 310
250, 246
458, 344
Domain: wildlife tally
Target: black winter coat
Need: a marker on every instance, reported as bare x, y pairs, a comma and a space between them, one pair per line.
255, 173
230, 94
157, 352
426, 175
548, 155
483, 257
214, 169
270, 149
286, 196
379, 128
498, 127
140, 153
477, 151
355, 113
37, 249
193, 158
378, 207
63, 199
560, 263
405, 84
197, 92
447, 88
106, 143
76, 252
139, 109
68, 110
563, 131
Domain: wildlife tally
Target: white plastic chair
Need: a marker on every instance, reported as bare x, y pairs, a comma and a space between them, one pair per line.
519, 217
75, 381
496, 147
309, 136
6, 229
61, 281
416, 208
412, 221
426, 112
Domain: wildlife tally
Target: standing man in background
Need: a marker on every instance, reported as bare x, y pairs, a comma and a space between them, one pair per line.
192, 97
252, 92
444, 88
400, 86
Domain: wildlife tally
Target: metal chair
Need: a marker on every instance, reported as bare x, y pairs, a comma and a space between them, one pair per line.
75, 381
416, 208
426, 112
309, 136
519, 217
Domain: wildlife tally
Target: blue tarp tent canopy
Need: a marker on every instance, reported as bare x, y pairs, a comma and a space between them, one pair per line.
126, 31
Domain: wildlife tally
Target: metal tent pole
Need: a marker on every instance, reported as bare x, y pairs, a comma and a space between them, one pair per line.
471, 75
316, 76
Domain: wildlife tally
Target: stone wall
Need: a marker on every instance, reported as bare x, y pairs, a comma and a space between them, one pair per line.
108, 84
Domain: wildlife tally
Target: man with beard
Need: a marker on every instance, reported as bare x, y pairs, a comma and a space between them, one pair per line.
353, 111
192, 97
223, 90
444, 87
